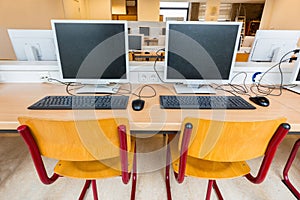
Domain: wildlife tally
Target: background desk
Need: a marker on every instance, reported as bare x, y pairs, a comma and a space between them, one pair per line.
15, 98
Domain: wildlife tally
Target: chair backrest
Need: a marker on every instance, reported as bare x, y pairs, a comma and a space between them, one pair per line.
79, 140
227, 141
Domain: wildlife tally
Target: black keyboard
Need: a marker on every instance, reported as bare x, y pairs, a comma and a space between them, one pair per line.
80, 102
204, 102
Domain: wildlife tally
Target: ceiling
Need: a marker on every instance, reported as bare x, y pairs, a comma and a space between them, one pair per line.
222, 1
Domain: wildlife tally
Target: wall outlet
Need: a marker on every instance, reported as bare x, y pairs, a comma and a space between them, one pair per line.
148, 77
44, 77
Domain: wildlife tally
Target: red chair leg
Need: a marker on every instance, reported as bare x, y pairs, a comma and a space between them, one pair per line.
134, 177
94, 187
209, 188
217, 190
287, 167
167, 178
85, 187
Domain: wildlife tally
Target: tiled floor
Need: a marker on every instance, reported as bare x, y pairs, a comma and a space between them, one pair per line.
18, 179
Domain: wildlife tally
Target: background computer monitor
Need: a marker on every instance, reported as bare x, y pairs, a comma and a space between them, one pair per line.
271, 45
200, 53
33, 45
135, 41
163, 31
295, 78
144, 30
92, 51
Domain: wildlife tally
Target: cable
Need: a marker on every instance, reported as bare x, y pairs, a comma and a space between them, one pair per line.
68, 85
268, 89
126, 91
144, 86
235, 88
154, 66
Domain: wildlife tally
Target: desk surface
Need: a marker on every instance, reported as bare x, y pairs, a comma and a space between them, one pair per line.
16, 97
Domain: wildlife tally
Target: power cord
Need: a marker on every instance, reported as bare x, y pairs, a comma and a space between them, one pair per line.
147, 96
154, 66
235, 88
266, 90
68, 85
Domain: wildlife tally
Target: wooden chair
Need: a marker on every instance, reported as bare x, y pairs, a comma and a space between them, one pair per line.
85, 149
217, 150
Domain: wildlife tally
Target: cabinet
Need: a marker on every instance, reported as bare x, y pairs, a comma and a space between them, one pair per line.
131, 12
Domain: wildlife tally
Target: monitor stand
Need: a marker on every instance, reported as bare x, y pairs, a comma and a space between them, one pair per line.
193, 89
294, 89
98, 89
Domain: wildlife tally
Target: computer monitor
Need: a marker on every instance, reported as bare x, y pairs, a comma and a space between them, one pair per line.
144, 30
271, 45
163, 31
200, 53
295, 78
92, 52
135, 42
33, 45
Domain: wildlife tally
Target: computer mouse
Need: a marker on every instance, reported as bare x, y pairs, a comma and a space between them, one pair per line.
138, 104
260, 100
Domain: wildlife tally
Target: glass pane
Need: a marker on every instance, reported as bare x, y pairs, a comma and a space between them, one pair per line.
174, 14
174, 4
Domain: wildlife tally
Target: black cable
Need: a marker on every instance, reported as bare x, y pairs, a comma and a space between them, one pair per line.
235, 88
144, 86
239, 89
154, 66
68, 85
271, 88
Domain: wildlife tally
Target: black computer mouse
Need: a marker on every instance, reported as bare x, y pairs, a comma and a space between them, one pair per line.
261, 101
138, 104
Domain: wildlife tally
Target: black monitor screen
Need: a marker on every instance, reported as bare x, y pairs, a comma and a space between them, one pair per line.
91, 50
201, 51
298, 76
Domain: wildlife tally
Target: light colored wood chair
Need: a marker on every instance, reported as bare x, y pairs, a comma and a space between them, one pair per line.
85, 149
219, 150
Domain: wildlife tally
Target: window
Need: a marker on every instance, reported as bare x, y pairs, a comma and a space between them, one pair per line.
224, 12
177, 11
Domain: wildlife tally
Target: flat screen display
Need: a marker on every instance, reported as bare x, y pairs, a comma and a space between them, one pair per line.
92, 50
197, 52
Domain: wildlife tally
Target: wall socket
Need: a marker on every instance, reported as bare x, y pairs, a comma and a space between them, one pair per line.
148, 77
44, 77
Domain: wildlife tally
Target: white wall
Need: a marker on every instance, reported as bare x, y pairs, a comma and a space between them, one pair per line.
140, 72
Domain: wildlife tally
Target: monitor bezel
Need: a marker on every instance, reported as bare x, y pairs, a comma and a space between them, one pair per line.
93, 81
201, 81
295, 72
36, 35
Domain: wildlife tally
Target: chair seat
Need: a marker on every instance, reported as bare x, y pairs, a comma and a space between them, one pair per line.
94, 169
85, 169
213, 170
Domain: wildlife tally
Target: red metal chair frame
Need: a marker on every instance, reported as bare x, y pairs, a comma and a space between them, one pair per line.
265, 165
42, 173
287, 167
